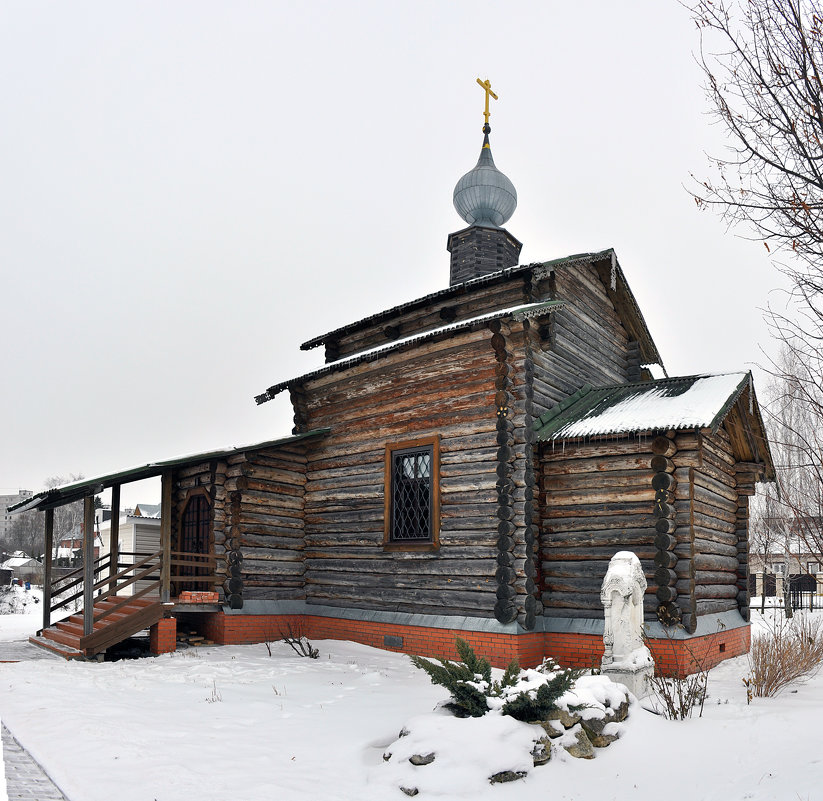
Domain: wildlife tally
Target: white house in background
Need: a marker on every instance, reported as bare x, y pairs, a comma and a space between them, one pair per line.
139, 534
147, 510
23, 567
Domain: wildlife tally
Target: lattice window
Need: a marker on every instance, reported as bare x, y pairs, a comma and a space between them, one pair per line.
412, 510
411, 495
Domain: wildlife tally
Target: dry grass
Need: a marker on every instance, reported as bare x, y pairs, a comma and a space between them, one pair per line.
788, 652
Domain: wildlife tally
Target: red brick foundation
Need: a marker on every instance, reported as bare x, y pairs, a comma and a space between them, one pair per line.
570, 650
163, 636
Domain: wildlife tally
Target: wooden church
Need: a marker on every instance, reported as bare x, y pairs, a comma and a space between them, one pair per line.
464, 464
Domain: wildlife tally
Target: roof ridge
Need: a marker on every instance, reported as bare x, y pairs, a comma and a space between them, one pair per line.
314, 342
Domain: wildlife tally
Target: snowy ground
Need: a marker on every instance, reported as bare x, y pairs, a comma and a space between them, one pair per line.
21, 614
233, 722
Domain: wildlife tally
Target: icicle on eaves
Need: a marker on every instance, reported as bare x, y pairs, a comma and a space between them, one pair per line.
614, 272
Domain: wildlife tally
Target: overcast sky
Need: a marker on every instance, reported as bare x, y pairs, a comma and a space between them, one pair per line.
192, 189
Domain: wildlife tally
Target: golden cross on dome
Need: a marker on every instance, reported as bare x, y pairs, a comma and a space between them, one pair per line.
487, 87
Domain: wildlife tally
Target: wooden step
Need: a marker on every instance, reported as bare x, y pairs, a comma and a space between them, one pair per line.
66, 651
66, 637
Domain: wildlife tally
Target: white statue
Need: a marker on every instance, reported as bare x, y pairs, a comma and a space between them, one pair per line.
625, 659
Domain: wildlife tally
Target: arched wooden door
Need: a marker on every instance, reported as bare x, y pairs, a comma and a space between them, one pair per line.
194, 537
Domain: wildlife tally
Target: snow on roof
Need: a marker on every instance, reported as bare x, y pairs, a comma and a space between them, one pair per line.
147, 510
669, 403
19, 559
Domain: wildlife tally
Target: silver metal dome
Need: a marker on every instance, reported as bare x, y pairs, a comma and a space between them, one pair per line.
484, 196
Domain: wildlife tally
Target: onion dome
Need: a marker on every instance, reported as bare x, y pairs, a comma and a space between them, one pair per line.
484, 196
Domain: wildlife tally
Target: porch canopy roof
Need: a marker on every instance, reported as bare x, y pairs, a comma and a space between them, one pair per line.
69, 493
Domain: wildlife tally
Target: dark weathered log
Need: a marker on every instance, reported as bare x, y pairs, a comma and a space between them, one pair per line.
601, 480
664, 510
663, 446
613, 540
554, 463
592, 566
722, 507
664, 576
662, 464
708, 517
706, 577
711, 607
666, 594
715, 591
664, 481
714, 562
666, 559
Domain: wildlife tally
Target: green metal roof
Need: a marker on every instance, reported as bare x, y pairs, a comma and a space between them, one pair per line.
701, 401
59, 496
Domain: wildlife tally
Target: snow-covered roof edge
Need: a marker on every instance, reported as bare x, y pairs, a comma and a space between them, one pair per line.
687, 402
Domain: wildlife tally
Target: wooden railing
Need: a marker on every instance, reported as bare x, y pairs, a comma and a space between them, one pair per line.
182, 568
73, 579
192, 567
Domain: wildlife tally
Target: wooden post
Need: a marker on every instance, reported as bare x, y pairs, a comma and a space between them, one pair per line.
88, 564
49, 552
114, 534
165, 538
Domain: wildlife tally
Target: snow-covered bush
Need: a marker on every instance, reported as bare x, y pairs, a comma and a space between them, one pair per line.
787, 652
536, 703
523, 694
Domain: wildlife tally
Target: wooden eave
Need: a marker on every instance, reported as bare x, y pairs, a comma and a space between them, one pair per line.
604, 262
60, 496
527, 310
627, 307
458, 291
744, 425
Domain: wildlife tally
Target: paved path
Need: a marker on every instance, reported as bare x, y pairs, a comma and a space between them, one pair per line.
25, 779
23, 651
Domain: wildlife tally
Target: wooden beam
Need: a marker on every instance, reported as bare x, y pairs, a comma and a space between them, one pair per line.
114, 533
165, 537
88, 564
49, 554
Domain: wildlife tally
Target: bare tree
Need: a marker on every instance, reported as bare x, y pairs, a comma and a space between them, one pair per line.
763, 62
25, 533
26, 530
68, 519
795, 422
765, 532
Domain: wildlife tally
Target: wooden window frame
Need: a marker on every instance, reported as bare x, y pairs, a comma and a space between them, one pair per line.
433, 543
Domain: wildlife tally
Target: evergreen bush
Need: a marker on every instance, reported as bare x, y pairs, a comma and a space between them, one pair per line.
536, 705
470, 684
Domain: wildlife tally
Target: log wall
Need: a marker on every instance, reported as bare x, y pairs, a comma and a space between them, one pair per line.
256, 501
434, 315
267, 526
583, 343
596, 499
442, 388
678, 508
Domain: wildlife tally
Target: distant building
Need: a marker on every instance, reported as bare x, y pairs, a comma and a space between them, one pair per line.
138, 536
24, 567
5, 502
